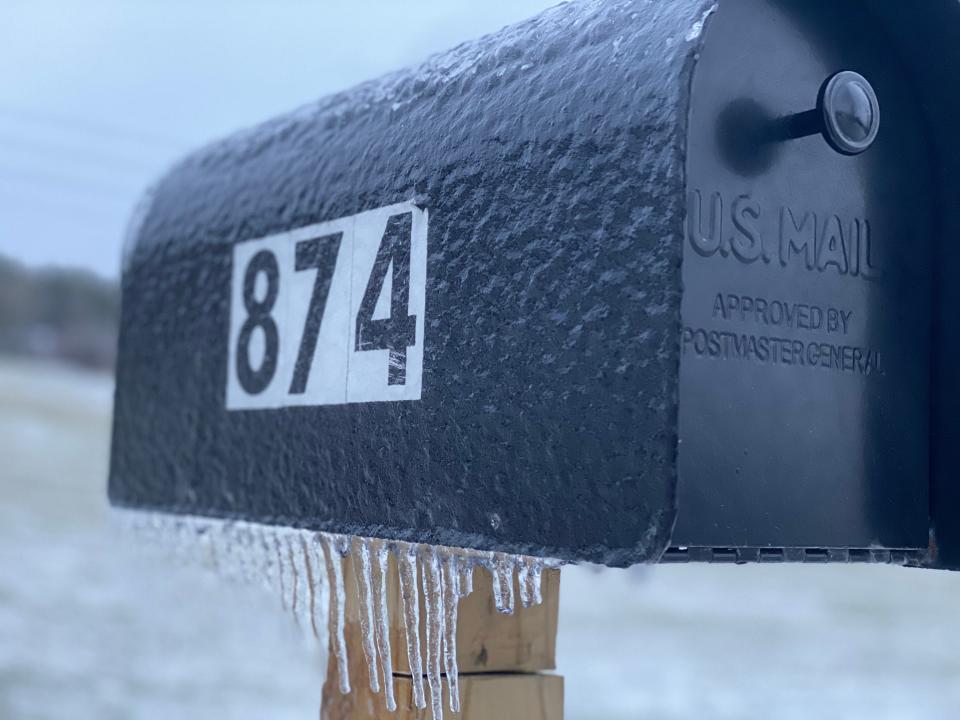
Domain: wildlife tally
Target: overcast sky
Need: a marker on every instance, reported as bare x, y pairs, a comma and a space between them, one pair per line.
98, 97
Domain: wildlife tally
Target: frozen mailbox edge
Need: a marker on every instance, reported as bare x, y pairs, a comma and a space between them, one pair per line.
443, 307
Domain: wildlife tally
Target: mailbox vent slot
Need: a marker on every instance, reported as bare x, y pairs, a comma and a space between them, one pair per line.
802, 555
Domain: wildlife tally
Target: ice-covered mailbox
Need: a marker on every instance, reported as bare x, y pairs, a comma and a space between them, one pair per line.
628, 281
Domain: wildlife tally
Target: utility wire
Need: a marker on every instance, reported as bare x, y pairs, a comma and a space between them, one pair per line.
77, 125
52, 182
89, 215
99, 157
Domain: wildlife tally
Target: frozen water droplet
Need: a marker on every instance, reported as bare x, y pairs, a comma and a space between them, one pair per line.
696, 30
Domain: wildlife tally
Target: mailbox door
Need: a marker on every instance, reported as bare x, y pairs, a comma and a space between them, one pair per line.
804, 392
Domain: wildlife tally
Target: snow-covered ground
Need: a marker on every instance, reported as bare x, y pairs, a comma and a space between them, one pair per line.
92, 627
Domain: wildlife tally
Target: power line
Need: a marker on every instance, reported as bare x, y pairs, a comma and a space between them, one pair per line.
95, 155
78, 208
85, 126
74, 184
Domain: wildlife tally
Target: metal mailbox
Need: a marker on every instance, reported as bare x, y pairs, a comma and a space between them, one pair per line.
627, 281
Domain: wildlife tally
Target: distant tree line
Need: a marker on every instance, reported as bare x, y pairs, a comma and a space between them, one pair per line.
58, 313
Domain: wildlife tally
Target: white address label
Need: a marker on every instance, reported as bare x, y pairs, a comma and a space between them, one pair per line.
330, 313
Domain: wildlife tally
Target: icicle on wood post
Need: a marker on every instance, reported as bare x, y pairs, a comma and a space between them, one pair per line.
334, 563
474, 626
465, 659
363, 572
410, 598
382, 612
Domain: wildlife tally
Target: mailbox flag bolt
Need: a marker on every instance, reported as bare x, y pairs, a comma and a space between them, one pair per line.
847, 115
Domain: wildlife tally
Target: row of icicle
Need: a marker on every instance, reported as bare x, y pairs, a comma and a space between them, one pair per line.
307, 569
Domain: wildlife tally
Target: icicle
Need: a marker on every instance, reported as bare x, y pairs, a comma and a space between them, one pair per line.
215, 552
307, 568
529, 574
466, 576
523, 582
281, 567
266, 559
290, 560
501, 571
381, 557
433, 602
451, 600
410, 594
363, 575
200, 533
259, 560
536, 582
322, 592
242, 541
334, 562
311, 585
491, 565
304, 579
231, 550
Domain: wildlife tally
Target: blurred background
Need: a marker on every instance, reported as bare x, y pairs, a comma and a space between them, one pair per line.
96, 100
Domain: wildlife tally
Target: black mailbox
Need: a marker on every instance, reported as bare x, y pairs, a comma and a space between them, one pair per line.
627, 281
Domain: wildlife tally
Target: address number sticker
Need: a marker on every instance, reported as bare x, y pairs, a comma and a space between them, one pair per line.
331, 313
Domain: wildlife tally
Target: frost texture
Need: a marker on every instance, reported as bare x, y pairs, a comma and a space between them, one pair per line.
306, 570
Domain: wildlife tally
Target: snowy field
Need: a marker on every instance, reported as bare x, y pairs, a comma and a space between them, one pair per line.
91, 627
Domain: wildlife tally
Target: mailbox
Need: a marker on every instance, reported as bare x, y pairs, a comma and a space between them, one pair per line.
624, 282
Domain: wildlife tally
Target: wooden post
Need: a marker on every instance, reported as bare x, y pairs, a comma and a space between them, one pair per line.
500, 659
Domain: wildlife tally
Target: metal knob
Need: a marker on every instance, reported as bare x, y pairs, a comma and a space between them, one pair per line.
847, 114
